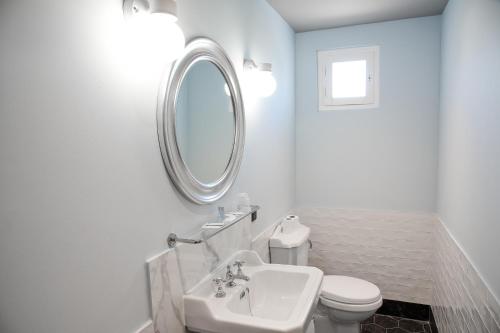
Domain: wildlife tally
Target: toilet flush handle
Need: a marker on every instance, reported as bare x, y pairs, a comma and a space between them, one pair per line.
310, 244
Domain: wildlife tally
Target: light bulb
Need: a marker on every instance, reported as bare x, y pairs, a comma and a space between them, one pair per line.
259, 79
155, 37
165, 36
267, 83
260, 83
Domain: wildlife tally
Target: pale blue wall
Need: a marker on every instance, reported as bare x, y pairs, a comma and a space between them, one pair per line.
383, 158
84, 196
469, 175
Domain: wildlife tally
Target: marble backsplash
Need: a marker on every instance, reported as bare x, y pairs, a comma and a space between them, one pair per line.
390, 249
175, 271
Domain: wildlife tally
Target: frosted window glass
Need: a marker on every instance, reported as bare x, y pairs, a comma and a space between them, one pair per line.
349, 79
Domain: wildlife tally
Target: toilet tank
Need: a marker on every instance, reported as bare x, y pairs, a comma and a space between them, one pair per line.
289, 244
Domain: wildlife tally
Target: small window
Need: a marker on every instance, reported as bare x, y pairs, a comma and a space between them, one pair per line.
348, 78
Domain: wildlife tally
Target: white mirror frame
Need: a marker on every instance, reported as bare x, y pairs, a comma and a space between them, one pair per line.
197, 50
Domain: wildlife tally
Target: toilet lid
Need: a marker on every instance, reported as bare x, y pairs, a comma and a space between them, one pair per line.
349, 290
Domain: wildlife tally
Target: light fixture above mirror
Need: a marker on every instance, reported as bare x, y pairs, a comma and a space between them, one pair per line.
259, 78
155, 25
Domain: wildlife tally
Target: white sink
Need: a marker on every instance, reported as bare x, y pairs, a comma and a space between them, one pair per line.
277, 298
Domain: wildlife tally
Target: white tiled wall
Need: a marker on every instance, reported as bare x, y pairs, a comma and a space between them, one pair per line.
461, 301
410, 256
390, 249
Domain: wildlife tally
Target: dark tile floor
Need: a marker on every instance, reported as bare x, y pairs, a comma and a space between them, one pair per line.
390, 324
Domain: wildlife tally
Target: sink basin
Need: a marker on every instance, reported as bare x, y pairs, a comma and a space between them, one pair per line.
271, 294
277, 298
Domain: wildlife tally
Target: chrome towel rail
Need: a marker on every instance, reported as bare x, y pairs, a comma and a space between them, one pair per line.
173, 239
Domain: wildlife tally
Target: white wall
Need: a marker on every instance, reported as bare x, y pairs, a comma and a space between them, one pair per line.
84, 196
383, 158
469, 175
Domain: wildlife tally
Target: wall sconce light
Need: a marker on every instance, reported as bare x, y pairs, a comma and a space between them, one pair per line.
154, 23
259, 78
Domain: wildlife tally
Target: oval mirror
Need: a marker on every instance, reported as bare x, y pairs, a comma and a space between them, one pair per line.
201, 122
204, 122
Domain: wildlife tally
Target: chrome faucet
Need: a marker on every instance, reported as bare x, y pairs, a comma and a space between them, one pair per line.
239, 274
230, 278
220, 287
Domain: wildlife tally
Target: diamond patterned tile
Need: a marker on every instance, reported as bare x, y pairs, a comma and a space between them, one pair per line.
411, 325
372, 328
386, 321
396, 330
391, 324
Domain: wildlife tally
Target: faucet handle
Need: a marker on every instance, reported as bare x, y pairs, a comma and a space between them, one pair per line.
220, 287
239, 263
239, 274
229, 277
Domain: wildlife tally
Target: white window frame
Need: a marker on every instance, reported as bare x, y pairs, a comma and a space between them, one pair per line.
325, 60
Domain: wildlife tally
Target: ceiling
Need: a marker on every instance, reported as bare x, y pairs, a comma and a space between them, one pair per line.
306, 15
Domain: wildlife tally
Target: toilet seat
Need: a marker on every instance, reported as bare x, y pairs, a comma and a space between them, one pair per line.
351, 307
349, 293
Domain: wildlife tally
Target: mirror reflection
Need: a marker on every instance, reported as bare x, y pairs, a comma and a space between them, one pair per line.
204, 122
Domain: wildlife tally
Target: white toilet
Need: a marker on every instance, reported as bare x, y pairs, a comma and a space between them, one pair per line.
348, 300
